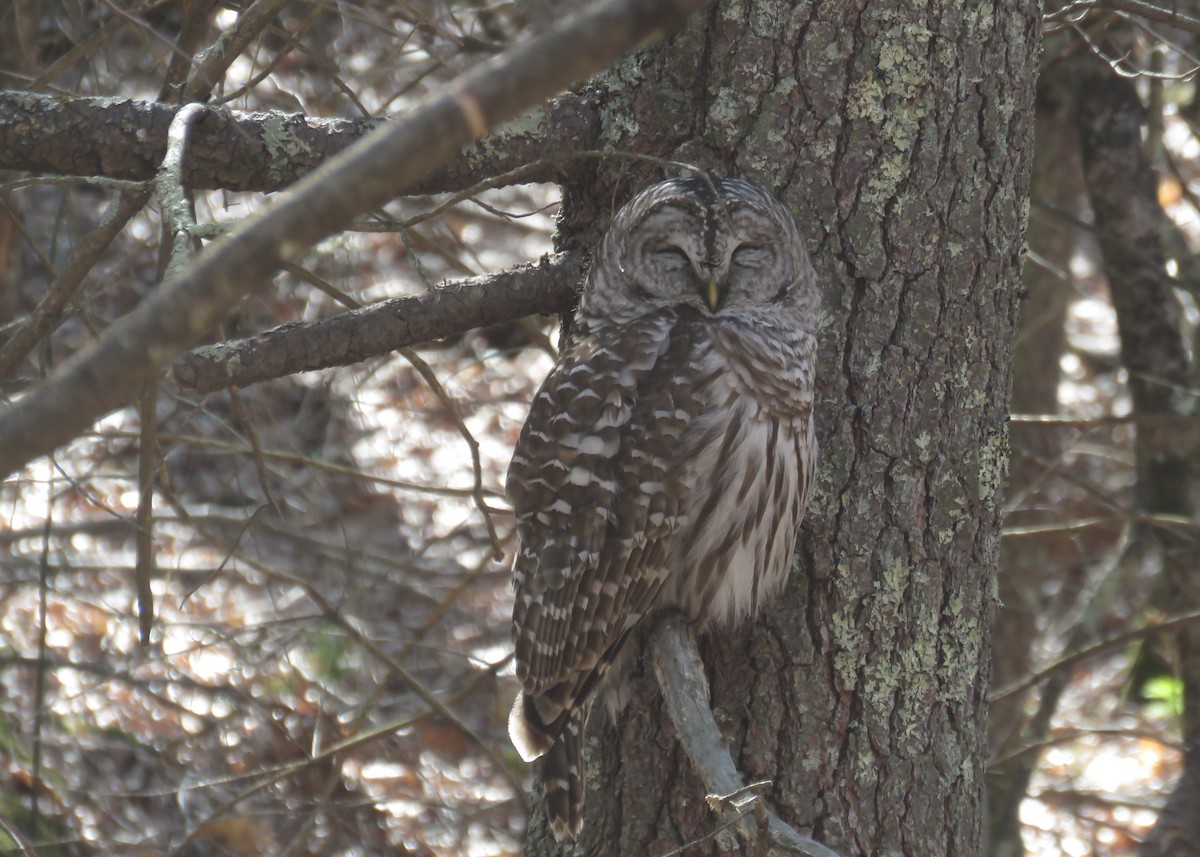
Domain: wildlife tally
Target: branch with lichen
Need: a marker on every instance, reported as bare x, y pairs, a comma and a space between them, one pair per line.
239, 151
545, 288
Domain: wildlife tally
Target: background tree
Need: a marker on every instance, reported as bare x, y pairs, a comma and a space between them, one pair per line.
1103, 512
327, 660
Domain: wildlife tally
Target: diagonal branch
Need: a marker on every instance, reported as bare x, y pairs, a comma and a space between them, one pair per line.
241, 151
546, 288
212, 64
104, 376
685, 690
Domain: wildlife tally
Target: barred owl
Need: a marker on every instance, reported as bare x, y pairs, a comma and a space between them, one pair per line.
667, 459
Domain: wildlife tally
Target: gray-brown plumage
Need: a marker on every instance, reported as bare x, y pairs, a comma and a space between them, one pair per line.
667, 459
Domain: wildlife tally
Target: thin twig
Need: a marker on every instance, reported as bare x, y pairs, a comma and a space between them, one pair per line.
1165, 521
144, 563
271, 776
1074, 12
290, 458
424, 370
256, 450
39, 690
332, 614
53, 308
1070, 735
280, 55
1116, 642
212, 63
15, 835
1061, 420
87, 46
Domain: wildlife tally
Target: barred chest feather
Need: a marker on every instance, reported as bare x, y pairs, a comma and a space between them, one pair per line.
750, 456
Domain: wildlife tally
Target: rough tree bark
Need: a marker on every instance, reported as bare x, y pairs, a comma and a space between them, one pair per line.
900, 135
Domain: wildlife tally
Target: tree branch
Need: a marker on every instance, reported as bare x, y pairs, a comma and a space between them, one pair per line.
211, 65
105, 375
685, 689
242, 151
1149, 11
545, 288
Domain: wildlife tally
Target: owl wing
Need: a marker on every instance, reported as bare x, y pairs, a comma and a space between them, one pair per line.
596, 490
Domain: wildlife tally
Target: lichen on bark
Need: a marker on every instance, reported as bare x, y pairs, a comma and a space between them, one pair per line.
900, 136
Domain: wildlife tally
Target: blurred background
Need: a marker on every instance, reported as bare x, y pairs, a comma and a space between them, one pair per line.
329, 667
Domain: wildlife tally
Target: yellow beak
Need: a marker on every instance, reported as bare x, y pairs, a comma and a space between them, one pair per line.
713, 295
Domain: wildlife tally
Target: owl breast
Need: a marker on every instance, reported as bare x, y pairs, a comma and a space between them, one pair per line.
749, 459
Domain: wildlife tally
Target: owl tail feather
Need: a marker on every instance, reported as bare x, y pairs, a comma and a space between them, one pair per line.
562, 760
562, 776
529, 734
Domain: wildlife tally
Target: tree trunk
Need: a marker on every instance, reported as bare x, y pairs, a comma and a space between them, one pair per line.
901, 138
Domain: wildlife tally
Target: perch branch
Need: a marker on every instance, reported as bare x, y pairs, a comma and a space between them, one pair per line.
105, 375
685, 689
383, 327
240, 151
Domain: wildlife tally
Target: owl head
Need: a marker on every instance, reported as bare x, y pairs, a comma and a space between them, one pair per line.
723, 247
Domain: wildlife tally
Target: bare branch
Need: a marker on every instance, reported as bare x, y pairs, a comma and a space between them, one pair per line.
144, 564
87, 46
685, 689
242, 151
195, 26
104, 376
212, 64
1117, 641
545, 288
1063, 420
1073, 12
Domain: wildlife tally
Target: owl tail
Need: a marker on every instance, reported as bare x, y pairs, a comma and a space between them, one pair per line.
562, 777
562, 760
